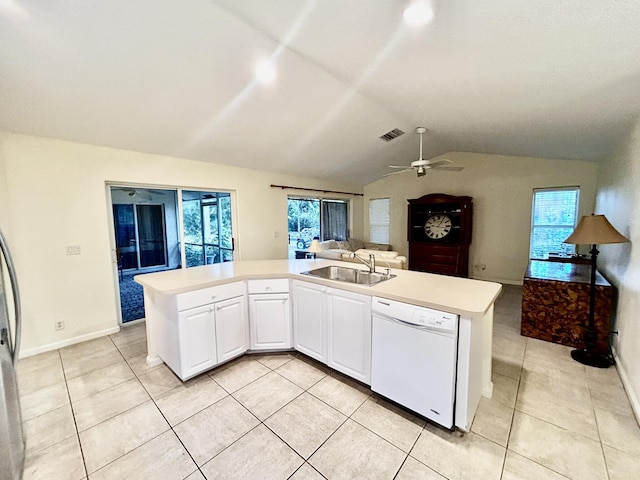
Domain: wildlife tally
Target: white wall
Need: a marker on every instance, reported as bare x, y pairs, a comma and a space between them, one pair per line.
5, 220
55, 194
619, 200
502, 190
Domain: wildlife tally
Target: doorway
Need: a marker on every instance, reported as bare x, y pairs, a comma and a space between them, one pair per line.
147, 239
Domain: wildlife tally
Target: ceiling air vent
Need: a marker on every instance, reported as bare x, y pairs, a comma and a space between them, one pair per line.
395, 133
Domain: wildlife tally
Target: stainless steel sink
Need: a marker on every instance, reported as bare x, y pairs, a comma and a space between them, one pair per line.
348, 275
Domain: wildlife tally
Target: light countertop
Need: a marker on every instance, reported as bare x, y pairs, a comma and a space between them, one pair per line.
462, 296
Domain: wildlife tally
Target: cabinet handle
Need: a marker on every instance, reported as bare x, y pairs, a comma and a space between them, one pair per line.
211, 309
213, 296
268, 288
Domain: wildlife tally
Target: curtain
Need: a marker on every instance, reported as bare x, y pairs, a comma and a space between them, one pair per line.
334, 221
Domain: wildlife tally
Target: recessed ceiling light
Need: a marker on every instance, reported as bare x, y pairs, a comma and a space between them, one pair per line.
266, 71
418, 13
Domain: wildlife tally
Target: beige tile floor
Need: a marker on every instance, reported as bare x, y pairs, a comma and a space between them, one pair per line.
95, 410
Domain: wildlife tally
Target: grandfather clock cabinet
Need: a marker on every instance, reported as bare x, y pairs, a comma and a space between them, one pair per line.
439, 233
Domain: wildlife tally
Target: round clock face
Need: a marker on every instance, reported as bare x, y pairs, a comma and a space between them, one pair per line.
437, 226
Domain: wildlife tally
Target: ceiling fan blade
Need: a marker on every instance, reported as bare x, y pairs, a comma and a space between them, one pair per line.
438, 163
400, 166
451, 169
399, 171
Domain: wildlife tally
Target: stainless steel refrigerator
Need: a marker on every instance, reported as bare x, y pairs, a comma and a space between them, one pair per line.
11, 434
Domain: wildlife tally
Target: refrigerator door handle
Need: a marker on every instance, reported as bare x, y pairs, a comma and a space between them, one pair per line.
16, 301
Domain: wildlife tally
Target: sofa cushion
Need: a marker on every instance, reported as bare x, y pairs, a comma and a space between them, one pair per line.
331, 254
364, 252
328, 244
377, 246
343, 245
356, 244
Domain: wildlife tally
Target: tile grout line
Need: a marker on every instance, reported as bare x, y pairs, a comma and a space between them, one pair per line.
73, 415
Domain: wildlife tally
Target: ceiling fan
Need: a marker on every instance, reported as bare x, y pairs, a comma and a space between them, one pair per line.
421, 165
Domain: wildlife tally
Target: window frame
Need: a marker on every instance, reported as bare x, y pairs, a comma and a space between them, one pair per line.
564, 248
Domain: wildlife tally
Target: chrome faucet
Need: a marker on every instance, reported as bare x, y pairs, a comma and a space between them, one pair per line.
371, 264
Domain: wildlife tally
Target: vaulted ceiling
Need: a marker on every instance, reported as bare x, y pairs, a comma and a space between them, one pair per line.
546, 78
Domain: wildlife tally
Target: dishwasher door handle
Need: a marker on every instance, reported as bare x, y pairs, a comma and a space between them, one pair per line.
403, 322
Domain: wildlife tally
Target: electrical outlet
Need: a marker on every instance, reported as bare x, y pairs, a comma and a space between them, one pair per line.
58, 325
480, 266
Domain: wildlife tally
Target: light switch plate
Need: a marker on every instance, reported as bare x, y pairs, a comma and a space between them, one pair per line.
73, 249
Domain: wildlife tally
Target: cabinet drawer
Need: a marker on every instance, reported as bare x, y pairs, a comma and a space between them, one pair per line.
277, 285
204, 296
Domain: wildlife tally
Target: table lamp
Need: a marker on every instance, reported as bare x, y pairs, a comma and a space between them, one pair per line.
314, 247
593, 230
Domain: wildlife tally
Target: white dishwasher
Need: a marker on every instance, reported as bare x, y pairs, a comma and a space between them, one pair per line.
414, 357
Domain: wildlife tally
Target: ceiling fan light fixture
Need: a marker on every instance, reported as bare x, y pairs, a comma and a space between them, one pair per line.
265, 71
418, 13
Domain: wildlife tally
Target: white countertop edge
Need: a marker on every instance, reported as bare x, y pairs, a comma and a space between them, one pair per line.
462, 296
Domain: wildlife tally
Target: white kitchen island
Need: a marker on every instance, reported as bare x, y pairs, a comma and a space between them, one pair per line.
169, 297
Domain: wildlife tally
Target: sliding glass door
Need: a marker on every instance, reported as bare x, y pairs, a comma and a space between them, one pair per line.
208, 235
140, 235
146, 239
321, 218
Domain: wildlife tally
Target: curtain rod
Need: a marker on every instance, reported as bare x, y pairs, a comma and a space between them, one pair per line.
315, 190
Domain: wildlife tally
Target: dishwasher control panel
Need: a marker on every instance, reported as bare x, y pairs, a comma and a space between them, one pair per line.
434, 319
414, 315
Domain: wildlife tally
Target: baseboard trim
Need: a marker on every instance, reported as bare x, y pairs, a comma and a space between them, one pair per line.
65, 343
631, 394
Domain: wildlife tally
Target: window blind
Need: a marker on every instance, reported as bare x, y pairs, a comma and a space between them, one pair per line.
379, 220
554, 217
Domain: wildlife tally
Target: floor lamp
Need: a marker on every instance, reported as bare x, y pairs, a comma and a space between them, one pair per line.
593, 230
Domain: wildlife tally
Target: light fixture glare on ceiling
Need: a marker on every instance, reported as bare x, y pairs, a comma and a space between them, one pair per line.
418, 13
265, 71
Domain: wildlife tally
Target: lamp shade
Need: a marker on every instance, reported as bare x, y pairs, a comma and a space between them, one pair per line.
314, 247
595, 230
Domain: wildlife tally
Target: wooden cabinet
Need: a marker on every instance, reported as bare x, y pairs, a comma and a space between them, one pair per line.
309, 311
439, 234
349, 334
334, 327
269, 314
555, 304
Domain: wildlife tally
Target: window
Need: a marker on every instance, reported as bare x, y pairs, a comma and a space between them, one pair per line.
309, 218
379, 220
553, 219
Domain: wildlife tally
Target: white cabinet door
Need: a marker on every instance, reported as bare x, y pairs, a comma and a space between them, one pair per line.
231, 328
197, 341
270, 321
309, 309
349, 332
